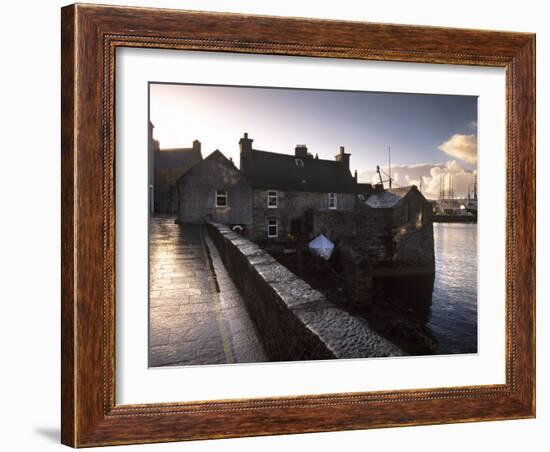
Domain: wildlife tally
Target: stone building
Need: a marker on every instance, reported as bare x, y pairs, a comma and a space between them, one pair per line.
286, 187
167, 166
214, 189
401, 219
393, 238
281, 199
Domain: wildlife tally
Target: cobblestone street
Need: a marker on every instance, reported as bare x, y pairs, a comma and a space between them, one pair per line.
196, 315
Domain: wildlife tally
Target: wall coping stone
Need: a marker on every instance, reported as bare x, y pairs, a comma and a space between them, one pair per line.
340, 333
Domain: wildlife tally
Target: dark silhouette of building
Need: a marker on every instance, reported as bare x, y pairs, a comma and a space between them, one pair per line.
165, 166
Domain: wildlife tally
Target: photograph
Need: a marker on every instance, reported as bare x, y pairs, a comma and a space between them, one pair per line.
269, 225
290, 224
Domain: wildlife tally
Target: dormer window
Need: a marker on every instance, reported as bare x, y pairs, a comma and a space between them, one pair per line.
272, 200
332, 201
221, 198
299, 163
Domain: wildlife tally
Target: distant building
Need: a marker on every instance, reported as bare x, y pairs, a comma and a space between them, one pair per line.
165, 166
215, 189
153, 147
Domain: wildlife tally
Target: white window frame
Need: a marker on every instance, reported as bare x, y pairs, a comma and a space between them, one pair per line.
272, 194
299, 163
217, 194
333, 197
270, 225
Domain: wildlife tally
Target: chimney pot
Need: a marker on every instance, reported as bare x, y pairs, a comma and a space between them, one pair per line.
301, 151
342, 157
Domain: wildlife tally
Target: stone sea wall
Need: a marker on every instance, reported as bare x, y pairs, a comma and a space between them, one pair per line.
294, 321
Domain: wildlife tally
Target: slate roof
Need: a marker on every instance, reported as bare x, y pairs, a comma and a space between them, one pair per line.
402, 191
216, 155
174, 158
388, 198
382, 200
280, 171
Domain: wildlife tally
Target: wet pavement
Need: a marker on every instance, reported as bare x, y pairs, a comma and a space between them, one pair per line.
196, 315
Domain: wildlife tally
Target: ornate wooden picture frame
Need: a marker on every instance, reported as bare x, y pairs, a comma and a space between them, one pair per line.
90, 37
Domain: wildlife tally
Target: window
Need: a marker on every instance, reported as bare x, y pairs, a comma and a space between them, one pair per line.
332, 201
221, 198
299, 163
273, 228
272, 199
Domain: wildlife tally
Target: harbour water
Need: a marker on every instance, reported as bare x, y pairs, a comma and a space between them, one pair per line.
453, 319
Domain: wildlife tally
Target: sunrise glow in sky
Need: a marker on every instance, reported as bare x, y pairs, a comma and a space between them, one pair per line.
431, 136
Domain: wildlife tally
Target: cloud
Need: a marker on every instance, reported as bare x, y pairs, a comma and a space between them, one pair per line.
453, 174
463, 147
433, 177
400, 173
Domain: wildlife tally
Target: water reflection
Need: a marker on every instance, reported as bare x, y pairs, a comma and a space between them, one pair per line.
433, 314
423, 314
453, 318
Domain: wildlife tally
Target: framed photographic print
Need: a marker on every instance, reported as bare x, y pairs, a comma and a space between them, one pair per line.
281, 225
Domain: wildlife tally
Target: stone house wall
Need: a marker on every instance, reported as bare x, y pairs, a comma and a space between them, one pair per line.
165, 188
168, 166
412, 226
290, 211
197, 194
394, 242
375, 234
335, 224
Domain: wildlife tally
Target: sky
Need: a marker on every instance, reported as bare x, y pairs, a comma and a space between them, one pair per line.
433, 138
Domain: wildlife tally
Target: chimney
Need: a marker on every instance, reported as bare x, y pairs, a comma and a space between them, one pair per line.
355, 176
197, 145
343, 157
245, 143
300, 151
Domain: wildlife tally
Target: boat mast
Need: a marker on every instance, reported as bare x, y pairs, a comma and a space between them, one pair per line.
389, 164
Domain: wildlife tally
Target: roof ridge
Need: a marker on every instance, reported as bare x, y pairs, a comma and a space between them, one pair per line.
292, 156
178, 149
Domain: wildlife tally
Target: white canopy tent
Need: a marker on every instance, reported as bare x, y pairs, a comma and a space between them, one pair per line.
322, 247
